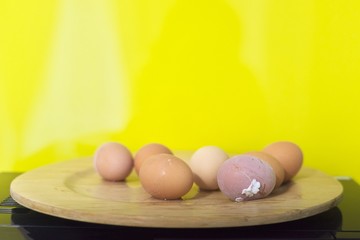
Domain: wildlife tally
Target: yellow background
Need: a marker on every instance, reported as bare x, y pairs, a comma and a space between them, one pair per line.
231, 73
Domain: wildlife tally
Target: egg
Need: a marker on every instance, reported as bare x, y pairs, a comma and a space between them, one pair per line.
165, 176
288, 154
245, 177
147, 151
274, 163
113, 161
204, 164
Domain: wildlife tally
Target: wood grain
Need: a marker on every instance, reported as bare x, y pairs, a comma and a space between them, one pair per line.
73, 190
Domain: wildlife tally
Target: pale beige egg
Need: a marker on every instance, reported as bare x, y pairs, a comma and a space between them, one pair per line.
204, 164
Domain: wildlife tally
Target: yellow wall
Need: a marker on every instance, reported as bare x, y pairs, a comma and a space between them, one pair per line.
237, 74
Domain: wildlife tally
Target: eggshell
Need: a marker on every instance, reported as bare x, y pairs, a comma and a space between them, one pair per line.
245, 177
147, 151
288, 154
204, 164
165, 176
274, 163
113, 161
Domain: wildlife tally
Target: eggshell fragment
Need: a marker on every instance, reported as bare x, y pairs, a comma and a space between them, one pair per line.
165, 176
113, 161
274, 163
205, 163
147, 151
288, 154
245, 177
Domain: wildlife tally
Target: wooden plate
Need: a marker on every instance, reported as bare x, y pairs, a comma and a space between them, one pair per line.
73, 190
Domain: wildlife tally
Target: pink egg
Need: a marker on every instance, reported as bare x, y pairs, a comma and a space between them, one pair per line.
113, 161
245, 177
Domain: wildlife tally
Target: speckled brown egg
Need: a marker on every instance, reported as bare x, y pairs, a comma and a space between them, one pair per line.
147, 151
165, 176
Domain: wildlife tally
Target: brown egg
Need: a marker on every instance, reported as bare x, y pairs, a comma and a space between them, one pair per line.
274, 163
165, 176
289, 155
113, 161
147, 151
